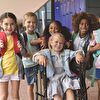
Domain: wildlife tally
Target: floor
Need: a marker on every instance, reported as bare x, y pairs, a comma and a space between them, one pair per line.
92, 92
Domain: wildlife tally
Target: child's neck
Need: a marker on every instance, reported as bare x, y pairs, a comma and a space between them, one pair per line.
82, 35
29, 32
55, 52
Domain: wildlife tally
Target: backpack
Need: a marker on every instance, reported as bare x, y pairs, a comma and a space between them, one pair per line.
24, 34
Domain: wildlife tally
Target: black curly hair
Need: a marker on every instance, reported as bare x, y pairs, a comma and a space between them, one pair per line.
91, 18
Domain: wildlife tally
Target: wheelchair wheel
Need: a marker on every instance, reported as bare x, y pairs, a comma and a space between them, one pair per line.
81, 94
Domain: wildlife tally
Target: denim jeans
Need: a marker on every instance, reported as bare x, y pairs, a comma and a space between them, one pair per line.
31, 73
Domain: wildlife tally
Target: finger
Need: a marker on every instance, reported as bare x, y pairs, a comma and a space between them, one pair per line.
78, 62
1, 45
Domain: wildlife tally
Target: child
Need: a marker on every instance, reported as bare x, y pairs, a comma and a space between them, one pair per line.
93, 41
33, 44
10, 57
94, 47
54, 27
61, 79
83, 25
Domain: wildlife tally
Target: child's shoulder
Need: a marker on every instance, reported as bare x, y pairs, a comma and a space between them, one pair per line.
66, 51
45, 50
96, 31
24, 35
37, 33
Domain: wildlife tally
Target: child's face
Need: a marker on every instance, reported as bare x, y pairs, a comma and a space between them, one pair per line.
83, 27
53, 28
30, 24
8, 25
57, 43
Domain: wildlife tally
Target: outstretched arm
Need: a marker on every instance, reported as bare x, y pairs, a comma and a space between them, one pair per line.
96, 47
80, 57
40, 59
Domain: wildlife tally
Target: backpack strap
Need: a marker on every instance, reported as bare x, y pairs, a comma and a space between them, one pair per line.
25, 37
86, 45
37, 34
24, 34
74, 36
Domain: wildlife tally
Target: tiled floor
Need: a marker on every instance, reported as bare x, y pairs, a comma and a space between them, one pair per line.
92, 92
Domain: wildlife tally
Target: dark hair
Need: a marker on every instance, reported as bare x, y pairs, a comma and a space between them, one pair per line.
94, 21
77, 19
58, 23
91, 18
8, 15
12, 16
46, 30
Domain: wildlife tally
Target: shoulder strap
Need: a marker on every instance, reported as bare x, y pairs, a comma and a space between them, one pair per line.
25, 37
74, 36
86, 44
37, 34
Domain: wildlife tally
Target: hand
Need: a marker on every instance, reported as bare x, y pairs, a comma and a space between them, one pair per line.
42, 60
94, 48
68, 44
1, 44
28, 55
43, 43
19, 45
80, 58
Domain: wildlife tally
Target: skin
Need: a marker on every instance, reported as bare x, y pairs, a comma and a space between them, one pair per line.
53, 28
57, 44
9, 26
92, 49
30, 24
83, 27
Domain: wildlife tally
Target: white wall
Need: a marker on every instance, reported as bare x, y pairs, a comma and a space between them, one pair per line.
20, 7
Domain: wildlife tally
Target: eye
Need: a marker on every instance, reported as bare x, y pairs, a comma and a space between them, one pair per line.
12, 24
6, 24
28, 22
56, 41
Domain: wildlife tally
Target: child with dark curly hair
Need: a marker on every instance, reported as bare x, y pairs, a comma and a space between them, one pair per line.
54, 27
83, 25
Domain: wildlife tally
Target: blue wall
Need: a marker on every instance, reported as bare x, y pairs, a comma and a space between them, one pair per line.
64, 9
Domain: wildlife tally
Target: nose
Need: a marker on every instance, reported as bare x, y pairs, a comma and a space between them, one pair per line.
58, 44
9, 26
32, 23
85, 25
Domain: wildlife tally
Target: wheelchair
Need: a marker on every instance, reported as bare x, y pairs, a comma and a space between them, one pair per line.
41, 81
80, 71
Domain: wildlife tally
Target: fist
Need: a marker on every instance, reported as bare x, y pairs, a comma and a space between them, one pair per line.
19, 45
1, 44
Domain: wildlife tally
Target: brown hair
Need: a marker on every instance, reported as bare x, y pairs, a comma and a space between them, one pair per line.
29, 14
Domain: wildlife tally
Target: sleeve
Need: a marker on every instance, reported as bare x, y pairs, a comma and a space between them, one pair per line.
72, 54
37, 54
